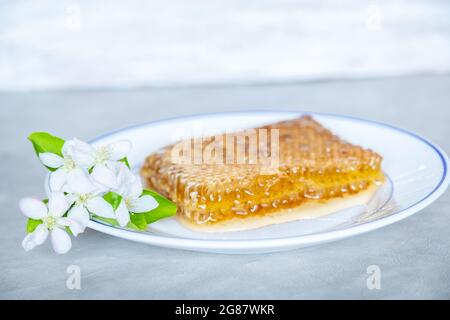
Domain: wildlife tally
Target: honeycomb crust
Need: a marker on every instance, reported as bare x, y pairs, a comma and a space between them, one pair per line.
317, 174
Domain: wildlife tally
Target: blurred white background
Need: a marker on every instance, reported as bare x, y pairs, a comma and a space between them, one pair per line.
47, 44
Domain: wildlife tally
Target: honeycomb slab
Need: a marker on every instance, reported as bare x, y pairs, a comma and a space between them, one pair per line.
316, 173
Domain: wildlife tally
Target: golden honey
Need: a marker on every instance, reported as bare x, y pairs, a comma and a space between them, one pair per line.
314, 166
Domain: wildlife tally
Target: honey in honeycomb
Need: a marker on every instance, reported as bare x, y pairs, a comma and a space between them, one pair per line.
314, 165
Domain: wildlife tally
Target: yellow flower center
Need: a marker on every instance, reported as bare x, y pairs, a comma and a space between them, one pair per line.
50, 222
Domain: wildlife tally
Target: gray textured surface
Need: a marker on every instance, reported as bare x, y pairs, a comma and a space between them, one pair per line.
414, 254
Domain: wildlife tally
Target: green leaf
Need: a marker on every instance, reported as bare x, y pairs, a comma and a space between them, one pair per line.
45, 142
139, 220
165, 209
113, 199
32, 225
69, 231
125, 160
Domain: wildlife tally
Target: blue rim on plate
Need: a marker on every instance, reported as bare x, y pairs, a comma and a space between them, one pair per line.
192, 244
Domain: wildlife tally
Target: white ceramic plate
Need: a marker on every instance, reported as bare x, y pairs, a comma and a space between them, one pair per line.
417, 171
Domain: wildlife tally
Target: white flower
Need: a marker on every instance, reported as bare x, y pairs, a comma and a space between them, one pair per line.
52, 222
130, 188
63, 165
102, 160
78, 154
86, 198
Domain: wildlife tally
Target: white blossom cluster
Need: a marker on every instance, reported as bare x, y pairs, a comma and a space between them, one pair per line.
81, 176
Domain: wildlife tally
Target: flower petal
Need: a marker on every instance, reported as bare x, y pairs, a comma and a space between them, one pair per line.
40, 234
51, 160
28, 243
105, 176
99, 188
135, 189
82, 153
79, 182
36, 238
57, 204
144, 204
74, 225
67, 149
82, 146
125, 176
122, 214
80, 215
33, 208
64, 222
61, 241
119, 150
57, 180
100, 207
125, 179
71, 198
